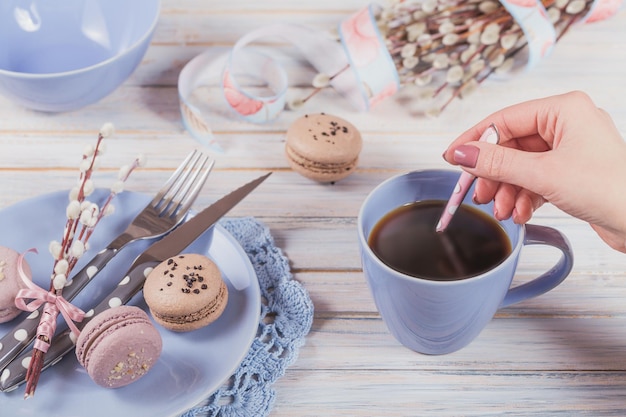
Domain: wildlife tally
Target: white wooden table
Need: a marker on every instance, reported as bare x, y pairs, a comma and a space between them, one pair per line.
563, 353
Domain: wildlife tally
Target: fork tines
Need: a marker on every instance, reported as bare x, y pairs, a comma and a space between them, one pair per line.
183, 185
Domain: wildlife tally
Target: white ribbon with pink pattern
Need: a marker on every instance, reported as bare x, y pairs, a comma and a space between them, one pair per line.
603, 9
533, 19
371, 78
369, 59
540, 34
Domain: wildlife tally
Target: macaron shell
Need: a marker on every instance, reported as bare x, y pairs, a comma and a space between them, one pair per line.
125, 355
10, 283
195, 320
118, 346
324, 138
185, 292
319, 171
100, 324
323, 147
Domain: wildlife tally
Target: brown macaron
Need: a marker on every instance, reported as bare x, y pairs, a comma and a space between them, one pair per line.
323, 147
185, 292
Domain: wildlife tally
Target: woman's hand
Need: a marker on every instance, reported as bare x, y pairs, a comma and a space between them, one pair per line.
561, 149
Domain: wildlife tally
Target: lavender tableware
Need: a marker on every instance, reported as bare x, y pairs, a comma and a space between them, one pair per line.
440, 317
61, 55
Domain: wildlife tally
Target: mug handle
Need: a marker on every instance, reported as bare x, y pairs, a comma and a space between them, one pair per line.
543, 235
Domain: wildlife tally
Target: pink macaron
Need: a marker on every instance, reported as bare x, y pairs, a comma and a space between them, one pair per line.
118, 346
10, 283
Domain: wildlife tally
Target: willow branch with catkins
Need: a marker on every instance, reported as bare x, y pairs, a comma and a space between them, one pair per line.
82, 218
449, 47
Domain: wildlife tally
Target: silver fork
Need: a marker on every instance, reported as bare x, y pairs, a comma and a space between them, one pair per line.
166, 210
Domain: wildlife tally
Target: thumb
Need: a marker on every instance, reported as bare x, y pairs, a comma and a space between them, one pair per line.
502, 164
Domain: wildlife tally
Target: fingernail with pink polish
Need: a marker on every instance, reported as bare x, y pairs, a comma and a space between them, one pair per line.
466, 155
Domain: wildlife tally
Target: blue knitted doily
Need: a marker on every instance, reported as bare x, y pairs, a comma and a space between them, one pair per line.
285, 319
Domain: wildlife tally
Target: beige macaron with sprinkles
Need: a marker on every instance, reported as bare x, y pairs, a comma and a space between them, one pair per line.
323, 147
185, 292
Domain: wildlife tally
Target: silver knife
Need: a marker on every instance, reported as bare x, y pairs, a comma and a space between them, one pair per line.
174, 243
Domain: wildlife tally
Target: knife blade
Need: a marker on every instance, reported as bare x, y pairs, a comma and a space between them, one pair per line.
172, 244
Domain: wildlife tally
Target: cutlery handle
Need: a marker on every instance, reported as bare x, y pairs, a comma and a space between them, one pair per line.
14, 373
84, 276
18, 338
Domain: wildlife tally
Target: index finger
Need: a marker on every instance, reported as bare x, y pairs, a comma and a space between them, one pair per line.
528, 119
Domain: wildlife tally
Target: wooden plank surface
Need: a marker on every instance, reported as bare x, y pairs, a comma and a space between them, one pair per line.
561, 354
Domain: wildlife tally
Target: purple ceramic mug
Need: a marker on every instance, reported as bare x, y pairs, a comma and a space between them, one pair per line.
438, 317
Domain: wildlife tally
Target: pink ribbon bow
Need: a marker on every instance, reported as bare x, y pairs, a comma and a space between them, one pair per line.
54, 305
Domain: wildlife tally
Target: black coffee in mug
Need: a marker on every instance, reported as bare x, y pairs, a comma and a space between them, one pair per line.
406, 240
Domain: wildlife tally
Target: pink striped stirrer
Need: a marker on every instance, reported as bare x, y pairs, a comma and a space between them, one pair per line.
464, 183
